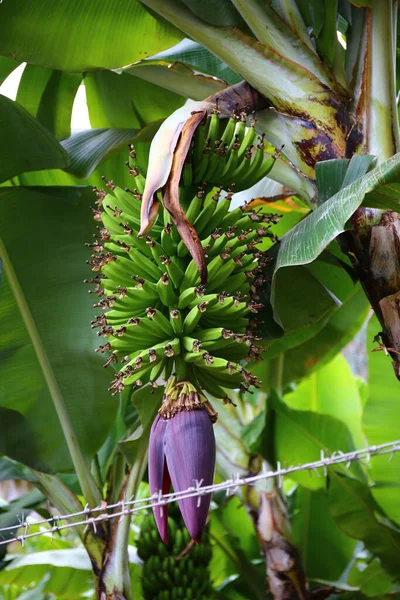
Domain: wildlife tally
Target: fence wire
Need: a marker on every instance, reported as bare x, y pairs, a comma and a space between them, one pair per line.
125, 507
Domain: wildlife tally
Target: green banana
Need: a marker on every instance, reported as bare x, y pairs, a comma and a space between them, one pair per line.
176, 321
193, 317
166, 291
159, 321
188, 295
199, 141
248, 140
191, 278
229, 131
209, 385
166, 240
187, 174
205, 215
174, 271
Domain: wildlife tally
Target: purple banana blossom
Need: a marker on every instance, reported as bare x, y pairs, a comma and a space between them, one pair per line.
182, 451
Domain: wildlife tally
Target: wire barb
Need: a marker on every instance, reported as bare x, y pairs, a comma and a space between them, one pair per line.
86, 518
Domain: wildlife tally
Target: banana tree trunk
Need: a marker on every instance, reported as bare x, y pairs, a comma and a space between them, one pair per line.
374, 244
285, 576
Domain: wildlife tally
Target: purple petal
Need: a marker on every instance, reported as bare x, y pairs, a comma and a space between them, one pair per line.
158, 473
190, 453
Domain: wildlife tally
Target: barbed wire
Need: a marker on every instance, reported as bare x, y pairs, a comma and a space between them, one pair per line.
230, 486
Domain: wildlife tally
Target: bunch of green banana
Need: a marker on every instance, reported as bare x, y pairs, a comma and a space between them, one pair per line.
157, 319
170, 573
226, 153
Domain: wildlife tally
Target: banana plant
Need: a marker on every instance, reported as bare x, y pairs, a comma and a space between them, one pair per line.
301, 92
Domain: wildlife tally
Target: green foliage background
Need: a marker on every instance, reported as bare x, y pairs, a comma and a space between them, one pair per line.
346, 526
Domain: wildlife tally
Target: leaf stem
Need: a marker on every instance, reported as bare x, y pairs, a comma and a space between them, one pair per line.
276, 34
86, 481
382, 121
96, 471
291, 14
281, 80
66, 502
116, 574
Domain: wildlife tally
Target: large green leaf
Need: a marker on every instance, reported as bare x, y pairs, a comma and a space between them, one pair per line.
36, 593
336, 332
88, 148
328, 313
9, 469
325, 550
30, 88
26, 144
55, 109
332, 175
14, 513
46, 348
300, 436
308, 238
125, 101
307, 349
119, 108
253, 434
112, 161
49, 96
381, 424
232, 534
328, 282
331, 390
200, 59
7, 66
222, 13
329, 177
68, 571
311, 306
352, 506
81, 36
177, 77
370, 578
386, 197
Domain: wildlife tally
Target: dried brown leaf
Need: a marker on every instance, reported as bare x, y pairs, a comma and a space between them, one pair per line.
170, 195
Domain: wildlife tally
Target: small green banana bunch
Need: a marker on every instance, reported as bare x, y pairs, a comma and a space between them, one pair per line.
234, 155
166, 575
159, 318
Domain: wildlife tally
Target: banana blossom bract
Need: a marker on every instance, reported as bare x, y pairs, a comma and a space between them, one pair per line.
167, 155
182, 451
